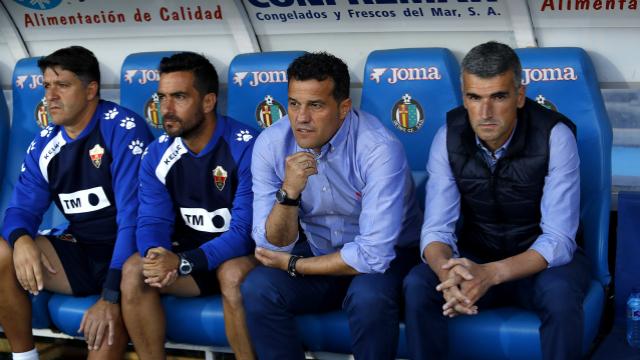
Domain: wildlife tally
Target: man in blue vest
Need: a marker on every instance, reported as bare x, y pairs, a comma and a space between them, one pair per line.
87, 163
194, 223
508, 169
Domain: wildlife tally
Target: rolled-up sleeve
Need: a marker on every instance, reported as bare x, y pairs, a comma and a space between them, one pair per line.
560, 205
265, 184
386, 175
442, 203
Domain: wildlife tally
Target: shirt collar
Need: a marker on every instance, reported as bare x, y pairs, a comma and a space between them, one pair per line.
221, 122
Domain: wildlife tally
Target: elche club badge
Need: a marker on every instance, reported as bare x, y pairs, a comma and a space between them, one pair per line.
268, 112
42, 114
152, 112
219, 177
407, 114
95, 154
540, 99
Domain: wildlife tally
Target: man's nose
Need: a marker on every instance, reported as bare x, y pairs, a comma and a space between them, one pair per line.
166, 106
486, 110
302, 115
51, 93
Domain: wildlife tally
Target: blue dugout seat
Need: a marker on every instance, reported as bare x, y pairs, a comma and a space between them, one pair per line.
29, 119
258, 87
410, 91
138, 84
40, 318
195, 321
4, 133
562, 79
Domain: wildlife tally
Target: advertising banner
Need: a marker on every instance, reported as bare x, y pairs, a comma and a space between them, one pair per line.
584, 13
44, 19
271, 17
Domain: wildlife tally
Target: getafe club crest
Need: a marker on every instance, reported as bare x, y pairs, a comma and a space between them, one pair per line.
152, 112
540, 99
407, 115
42, 114
269, 111
219, 177
95, 154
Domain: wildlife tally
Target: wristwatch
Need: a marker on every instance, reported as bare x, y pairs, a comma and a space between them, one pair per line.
185, 267
283, 199
291, 268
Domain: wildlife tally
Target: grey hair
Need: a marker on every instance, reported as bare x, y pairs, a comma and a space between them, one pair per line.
492, 59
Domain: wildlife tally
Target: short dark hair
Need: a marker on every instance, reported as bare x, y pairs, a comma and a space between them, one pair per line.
321, 66
204, 73
78, 60
492, 59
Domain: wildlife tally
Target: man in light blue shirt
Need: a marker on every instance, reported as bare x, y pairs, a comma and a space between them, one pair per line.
334, 218
501, 216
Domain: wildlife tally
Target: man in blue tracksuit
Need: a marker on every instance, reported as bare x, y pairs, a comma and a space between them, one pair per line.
86, 162
194, 221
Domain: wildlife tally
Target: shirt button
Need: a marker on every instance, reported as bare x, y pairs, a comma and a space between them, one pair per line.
324, 188
336, 232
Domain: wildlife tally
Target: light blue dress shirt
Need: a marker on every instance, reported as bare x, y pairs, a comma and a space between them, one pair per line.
362, 201
560, 205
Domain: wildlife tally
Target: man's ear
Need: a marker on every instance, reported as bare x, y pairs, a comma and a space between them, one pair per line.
209, 103
92, 90
521, 96
344, 107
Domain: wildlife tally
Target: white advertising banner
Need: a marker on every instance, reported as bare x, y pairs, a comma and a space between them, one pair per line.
584, 13
45, 19
270, 17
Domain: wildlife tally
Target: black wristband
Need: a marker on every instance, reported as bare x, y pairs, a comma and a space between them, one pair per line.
111, 296
291, 269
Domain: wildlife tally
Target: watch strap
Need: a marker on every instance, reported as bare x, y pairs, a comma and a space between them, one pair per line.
291, 268
286, 200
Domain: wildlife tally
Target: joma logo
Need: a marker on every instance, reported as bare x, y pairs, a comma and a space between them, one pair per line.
260, 77
406, 74
548, 74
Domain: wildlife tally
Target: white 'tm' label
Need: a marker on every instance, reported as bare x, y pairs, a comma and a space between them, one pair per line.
202, 220
84, 201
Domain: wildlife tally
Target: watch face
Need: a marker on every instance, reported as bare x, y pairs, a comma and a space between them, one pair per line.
281, 195
185, 267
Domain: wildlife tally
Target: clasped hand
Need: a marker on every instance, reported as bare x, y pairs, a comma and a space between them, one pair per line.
160, 267
465, 283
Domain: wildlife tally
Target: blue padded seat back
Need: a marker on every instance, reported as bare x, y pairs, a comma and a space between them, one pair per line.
29, 119
4, 133
139, 78
564, 79
410, 91
258, 87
